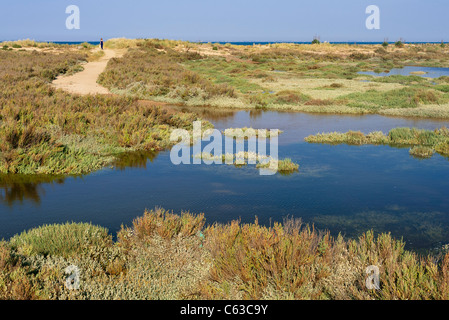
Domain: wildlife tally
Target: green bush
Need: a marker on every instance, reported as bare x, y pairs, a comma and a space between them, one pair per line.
425, 142
422, 152
412, 136
65, 240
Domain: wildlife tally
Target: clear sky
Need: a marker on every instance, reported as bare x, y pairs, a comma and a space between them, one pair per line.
228, 20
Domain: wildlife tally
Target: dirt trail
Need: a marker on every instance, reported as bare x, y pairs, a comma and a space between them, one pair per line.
85, 82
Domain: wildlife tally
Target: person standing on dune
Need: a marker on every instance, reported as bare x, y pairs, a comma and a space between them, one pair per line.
101, 43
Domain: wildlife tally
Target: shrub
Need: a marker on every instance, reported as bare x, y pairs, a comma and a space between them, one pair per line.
443, 148
412, 136
167, 256
422, 152
160, 74
48, 131
320, 102
287, 166
249, 260
408, 97
336, 85
65, 240
381, 51
291, 97
359, 56
163, 224
425, 142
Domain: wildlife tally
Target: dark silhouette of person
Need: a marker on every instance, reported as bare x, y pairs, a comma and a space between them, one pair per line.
101, 43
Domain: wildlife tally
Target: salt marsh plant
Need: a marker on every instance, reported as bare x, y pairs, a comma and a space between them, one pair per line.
422, 152
247, 133
148, 73
168, 256
48, 131
351, 137
64, 240
240, 158
266, 77
284, 166
399, 44
424, 142
400, 98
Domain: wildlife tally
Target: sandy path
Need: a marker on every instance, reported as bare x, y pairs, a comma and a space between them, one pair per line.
85, 82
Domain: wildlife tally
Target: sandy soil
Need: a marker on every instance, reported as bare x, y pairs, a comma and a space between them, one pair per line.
85, 82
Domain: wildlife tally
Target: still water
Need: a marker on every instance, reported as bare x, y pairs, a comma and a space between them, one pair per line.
428, 72
345, 189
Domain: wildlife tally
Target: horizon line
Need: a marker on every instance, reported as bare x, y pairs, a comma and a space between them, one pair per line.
228, 41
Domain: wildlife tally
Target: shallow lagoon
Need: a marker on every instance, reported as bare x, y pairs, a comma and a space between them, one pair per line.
346, 189
428, 72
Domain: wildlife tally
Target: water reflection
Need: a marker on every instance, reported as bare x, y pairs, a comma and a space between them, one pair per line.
18, 188
255, 114
138, 159
209, 113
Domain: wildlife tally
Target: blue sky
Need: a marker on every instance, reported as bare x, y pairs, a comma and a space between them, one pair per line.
230, 20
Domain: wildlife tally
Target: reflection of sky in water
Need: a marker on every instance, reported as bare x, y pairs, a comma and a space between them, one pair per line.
342, 188
407, 71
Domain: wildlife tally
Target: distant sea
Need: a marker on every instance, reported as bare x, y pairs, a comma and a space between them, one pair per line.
250, 43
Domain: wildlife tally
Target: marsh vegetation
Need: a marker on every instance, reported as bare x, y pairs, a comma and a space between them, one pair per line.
48, 131
424, 143
319, 78
283, 166
168, 256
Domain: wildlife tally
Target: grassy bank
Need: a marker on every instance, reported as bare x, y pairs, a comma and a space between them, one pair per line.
168, 256
424, 143
310, 78
48, 131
